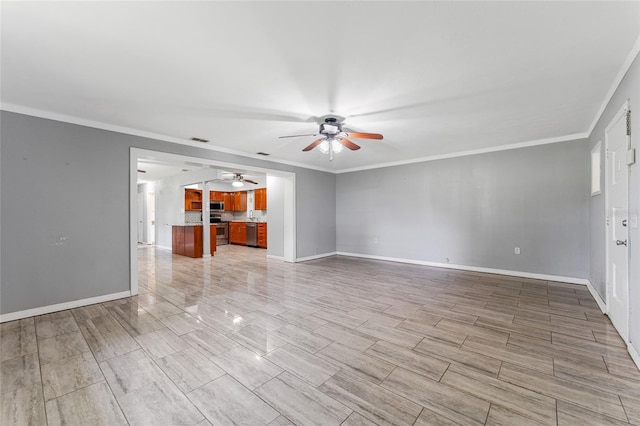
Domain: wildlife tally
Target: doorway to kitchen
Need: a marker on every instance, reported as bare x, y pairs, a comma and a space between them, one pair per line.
282, 218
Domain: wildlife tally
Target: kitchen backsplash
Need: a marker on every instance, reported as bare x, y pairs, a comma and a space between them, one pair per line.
192, 217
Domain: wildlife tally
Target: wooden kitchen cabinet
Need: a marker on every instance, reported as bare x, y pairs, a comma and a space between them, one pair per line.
186, 240
192, 199
212, 237
228, 201
262, 235
239, 201
216, 196
260, 199
238, 233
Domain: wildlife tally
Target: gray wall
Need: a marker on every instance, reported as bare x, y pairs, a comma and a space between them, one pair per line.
629, 88
474, 210
65, 209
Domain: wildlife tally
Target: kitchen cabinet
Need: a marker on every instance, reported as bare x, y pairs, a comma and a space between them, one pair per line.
186, 240
238, 233
260, 199
262, 235
216, 196
192, 199
228, 201
212, 237
239, 201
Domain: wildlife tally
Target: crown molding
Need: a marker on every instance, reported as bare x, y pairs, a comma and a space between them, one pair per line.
616, 83
34, 112
572, 137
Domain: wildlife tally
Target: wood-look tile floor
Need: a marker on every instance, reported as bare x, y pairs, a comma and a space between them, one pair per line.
240, 339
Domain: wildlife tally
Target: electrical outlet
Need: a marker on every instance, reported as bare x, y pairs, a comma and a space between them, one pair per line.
516, 250
375, 240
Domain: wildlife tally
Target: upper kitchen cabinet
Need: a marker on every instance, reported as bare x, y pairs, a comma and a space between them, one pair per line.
260, 199
216, 196
192, 199
239, 201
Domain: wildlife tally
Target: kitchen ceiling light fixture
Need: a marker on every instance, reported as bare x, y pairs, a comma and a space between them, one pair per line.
237, 183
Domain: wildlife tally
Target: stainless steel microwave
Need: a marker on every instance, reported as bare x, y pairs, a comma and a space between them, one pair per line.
216, 206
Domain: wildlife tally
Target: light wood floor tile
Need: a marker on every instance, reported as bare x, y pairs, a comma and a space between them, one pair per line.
224, 401
328, 341
306, 366
93, 405
448, 353
371, 401
17, 338
23, 406
189, 369
437, 397
301, 402
565, 389
359, 364
500, 416
159, 403
517, 399
69, 374
570, 415
408, 359
247, 367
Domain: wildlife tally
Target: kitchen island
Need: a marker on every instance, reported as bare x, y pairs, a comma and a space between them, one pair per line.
186, 240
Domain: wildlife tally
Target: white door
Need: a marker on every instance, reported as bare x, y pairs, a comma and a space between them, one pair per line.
617, 215
151, 218
140, 214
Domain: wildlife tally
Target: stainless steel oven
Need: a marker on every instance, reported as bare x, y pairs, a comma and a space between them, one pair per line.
222, 234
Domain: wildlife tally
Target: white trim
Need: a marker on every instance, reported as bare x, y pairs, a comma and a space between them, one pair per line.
133, 223
635, 356
144, 134
567, 138
612, 90
271, 256
164, 248
571, 280
596, 296
316, 256
131, 131
12, 316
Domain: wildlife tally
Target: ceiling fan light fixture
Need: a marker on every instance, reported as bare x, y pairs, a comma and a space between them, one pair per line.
237, 183
336, 146
324, 147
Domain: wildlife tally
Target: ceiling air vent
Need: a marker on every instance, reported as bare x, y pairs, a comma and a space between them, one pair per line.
200, 140
262, 153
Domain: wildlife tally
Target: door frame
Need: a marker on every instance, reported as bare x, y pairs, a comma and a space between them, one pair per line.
608, 241
289, 179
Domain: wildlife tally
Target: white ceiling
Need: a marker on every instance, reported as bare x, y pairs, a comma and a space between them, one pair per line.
434, 77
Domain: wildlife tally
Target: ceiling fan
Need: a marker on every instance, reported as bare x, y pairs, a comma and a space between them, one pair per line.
237, 179
334, 139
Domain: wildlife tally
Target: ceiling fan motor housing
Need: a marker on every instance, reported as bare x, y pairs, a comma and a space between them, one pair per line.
330, 127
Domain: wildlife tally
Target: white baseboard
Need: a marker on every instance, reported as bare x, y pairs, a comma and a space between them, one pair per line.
536, 276
164, 248
635, 356
316, 256
12, 316
596, 297
270, 256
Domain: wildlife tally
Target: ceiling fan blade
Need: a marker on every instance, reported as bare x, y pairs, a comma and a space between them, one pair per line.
250, 181
142, 171
313, 144
296, 136
347, 143
365, 135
